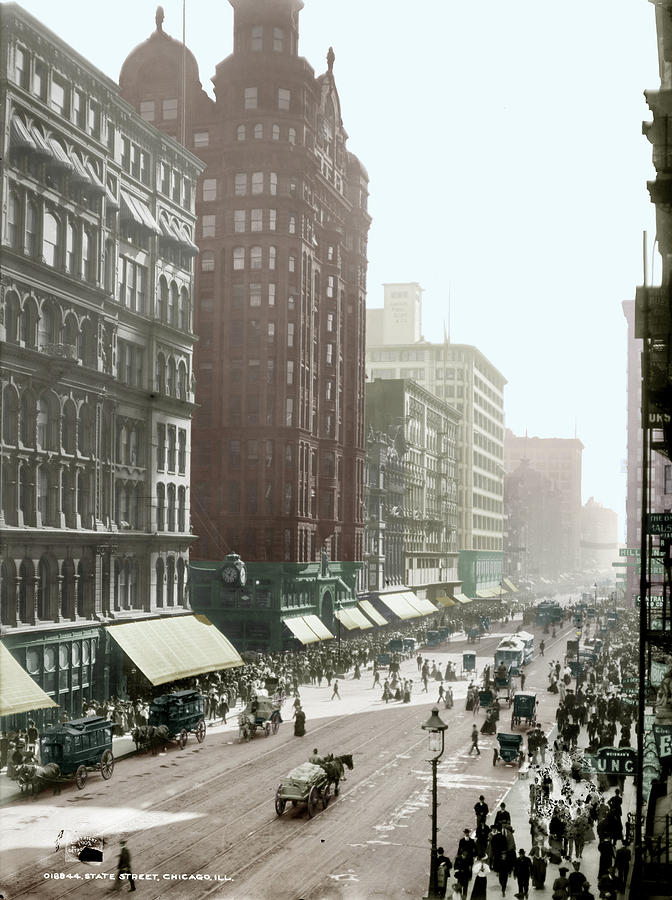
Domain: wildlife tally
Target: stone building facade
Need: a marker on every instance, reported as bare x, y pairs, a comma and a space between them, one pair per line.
278, 463
96, 319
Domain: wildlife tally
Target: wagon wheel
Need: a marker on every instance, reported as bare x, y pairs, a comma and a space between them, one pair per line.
312, 801
280, 803
80, 777
275, 723
326, 794
267, 728
495, 755
182, 739
200, 731
107, 764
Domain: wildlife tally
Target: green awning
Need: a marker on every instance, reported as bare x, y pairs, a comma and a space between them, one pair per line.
176, 647
18, 692
372, 612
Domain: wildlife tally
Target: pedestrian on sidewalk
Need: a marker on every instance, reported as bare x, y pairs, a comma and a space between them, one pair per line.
463, 872
335, 692
498, 857
474, 741
502, 816
542, 647
539, 866
124, 868
480, 888
622, 865
561, 884
578, 883
376, 679
522, 869
481, 809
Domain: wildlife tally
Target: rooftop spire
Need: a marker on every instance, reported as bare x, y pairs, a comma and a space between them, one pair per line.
331, 56
159, 17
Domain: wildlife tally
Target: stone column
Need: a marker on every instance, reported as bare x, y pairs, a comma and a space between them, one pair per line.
58, 616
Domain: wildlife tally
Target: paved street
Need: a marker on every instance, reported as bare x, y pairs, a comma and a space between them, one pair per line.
208, 810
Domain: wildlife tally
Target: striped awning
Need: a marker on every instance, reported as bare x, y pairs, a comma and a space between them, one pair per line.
301, 630
18, 692
462, 598
359, 617
372, 612
423, 606
79, 172
42, 145
318, 626
175, 647
344, 617
20, 136
445, 601
136, 211
400, 605
60, 158
352, 618
510, 585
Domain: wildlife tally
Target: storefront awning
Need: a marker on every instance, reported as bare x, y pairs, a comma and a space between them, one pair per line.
359, 617
20, 135
136, 211
423, 606
60, 158
42, 145
445, 601
510, 585
177, 647
344, 617
400, 606
372, 612
301, 630
318, 626
462, 598
18, 692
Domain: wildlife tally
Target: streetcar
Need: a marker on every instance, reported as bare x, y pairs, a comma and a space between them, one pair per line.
510, 653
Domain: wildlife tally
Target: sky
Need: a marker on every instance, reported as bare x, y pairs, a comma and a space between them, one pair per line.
507, 172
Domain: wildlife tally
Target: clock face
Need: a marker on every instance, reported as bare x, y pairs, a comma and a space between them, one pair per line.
243, 574
230, 574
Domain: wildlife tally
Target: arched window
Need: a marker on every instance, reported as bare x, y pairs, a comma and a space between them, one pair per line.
43, 590
43, 494
180, 581
50, 239
28, 419
182, 380
71, 249
162, 311
45, 327
13, 219
160, 374
181, 508
10, 416
71, 335
160, 569
29, 321
7, 593
88, 269
48, 422
12, 318
26, 589
160, 507
240, 133
171, 507
31, 228
172, 304
170, 581
172, 377
87, 429
68, 589
184, 321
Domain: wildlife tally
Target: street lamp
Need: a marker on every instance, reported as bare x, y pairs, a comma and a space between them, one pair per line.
339, 604
436, 728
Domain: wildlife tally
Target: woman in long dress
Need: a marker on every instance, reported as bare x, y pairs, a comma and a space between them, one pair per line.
480, 888
299, 722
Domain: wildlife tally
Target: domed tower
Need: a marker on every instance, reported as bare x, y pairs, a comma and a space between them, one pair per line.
160, 79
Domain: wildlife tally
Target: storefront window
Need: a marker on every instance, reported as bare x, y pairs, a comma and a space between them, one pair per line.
49, 659
76, 654
33, 660
63, 655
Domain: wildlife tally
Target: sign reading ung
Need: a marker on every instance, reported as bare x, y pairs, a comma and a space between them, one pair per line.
612, 761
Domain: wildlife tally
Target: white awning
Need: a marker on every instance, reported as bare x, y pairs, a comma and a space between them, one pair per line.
96, 182
79, 172
372, 612
358, 617
423, 606
175, 647
18, 692
20, 135
60, 157
137, 211
301, 631
42, 145
318, 626
400, 605
345, 619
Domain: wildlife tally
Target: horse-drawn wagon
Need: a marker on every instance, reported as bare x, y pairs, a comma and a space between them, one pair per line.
524, 708
261, 712
69, 751
311, 783
171, 718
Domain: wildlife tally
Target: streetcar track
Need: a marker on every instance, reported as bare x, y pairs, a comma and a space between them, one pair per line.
234, 773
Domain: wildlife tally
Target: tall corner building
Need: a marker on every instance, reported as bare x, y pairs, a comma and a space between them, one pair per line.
465, 379
278, 436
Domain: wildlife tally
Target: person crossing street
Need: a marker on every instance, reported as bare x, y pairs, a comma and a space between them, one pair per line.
474, 741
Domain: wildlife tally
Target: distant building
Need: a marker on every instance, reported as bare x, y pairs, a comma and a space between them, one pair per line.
96, 322
399, 321
411, 490
465, 379
532, 535
559, 460
599, 538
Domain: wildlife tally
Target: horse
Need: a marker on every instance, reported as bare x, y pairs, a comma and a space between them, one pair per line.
33, 778
334, 766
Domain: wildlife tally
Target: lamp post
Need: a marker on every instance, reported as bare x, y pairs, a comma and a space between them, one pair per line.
338, 661
436, 728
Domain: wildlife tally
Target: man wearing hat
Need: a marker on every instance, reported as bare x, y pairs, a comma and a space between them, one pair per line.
577, 880
561, 884
522, 869
467, 845
124, 868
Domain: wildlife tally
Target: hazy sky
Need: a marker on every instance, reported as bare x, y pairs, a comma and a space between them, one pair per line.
507, 166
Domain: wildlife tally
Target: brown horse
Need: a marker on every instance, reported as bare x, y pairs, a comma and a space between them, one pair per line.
334, 766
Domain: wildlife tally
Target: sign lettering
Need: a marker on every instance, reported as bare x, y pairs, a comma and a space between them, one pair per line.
612, 761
